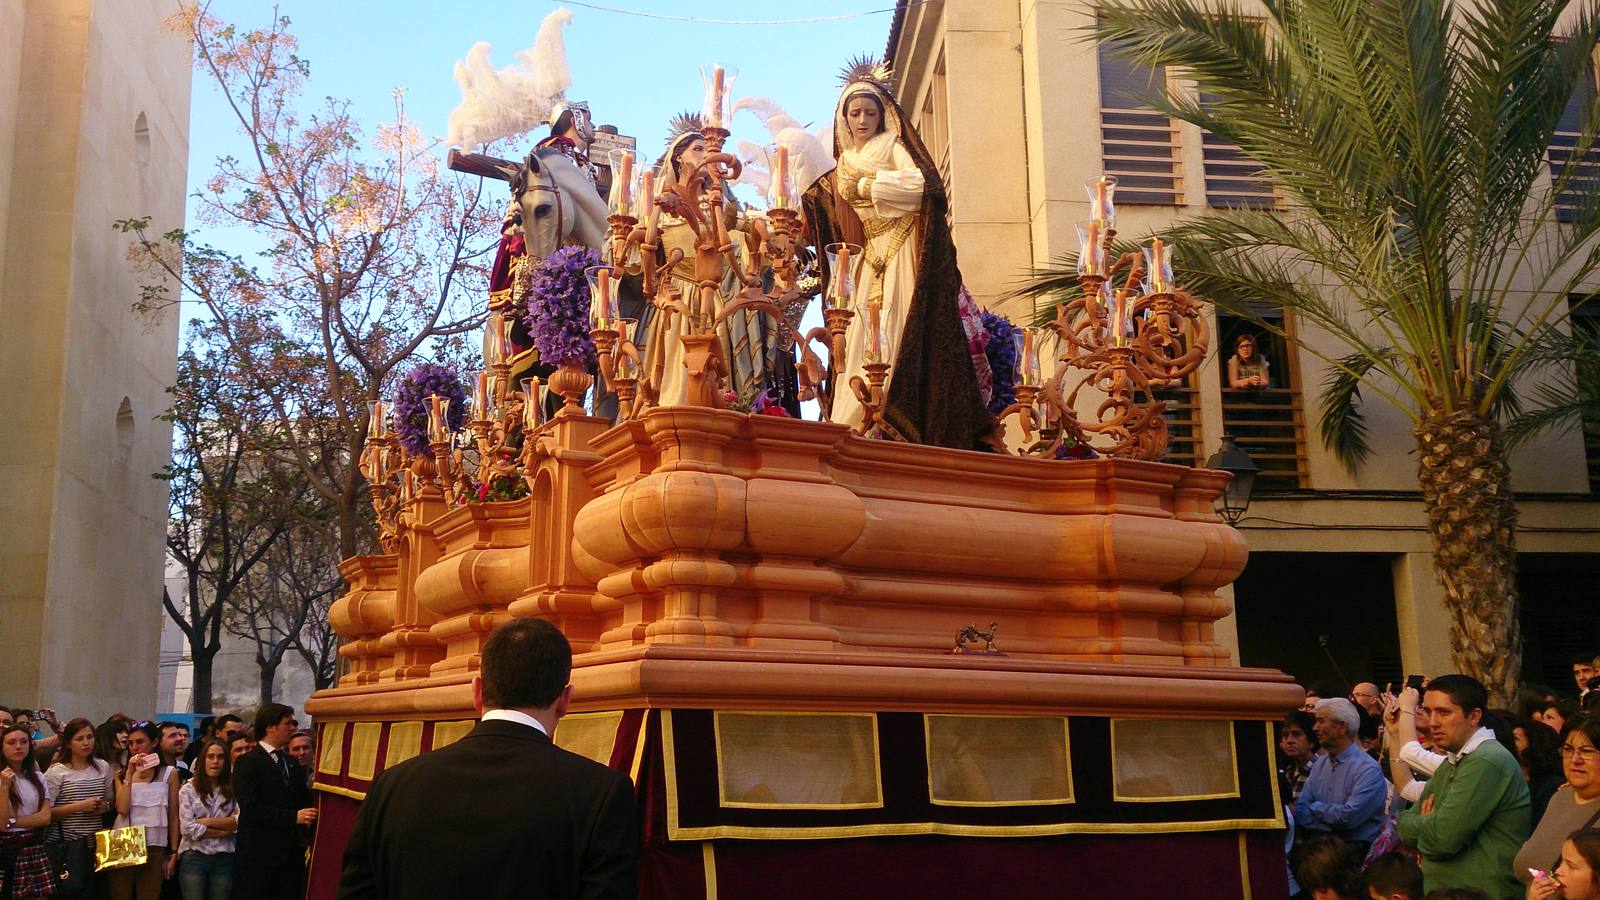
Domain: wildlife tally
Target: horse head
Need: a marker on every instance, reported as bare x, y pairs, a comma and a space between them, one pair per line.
558, 205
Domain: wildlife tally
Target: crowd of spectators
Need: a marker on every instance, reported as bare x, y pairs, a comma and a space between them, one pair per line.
1422, 791
62, 782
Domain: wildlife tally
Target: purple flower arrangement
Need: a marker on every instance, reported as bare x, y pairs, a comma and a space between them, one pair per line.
1002, 354
411, 404
558, 308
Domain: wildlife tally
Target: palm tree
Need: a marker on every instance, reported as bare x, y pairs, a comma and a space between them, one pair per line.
1420, 232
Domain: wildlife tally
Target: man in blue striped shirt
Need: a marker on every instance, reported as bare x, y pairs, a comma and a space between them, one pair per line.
1344, 794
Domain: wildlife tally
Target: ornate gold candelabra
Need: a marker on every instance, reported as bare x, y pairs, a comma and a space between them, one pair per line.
380, 462
1126, 342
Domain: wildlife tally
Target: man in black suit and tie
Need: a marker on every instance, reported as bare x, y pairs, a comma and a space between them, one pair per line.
503, 812
274, 805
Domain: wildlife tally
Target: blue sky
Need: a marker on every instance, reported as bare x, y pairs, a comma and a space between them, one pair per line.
635, 72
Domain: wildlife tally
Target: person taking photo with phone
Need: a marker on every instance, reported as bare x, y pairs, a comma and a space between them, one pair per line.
147, 794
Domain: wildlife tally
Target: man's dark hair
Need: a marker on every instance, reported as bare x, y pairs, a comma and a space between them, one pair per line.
271, 714
170, 724
1300, 719
222, 722
526, 664
1463, 690
1369, 725
1328, 863
1394, 873
1582, 659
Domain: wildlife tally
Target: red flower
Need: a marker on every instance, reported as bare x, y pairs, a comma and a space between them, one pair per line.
776, 410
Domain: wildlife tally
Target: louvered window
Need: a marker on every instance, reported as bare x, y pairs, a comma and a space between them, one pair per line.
1581, 171
1233, 179
1137, 144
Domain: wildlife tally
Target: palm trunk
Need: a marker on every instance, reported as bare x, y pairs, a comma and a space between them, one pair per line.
1466, 490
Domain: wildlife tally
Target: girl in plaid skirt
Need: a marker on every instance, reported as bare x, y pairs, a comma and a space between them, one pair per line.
25, 812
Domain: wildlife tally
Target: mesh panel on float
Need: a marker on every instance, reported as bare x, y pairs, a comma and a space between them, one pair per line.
998, 760
405, 742
447, 733
1156, 760
330, 759
590, 735
798, 760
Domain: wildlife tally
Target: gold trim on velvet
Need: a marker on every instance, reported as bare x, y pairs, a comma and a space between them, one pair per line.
1272, 771
330, 760
590, 735
1233, 765
342, 792
364, 750
708, 858
1244, 866
679, 833
638, 748
447, 733
874, 770
405, 742
1066, 747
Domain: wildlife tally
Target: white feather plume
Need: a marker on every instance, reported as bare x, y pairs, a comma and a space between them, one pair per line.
810, 154
514, 100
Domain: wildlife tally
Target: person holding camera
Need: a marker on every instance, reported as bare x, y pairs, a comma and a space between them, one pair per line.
147, 794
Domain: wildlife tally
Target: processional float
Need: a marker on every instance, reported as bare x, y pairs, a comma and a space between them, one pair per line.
762, 609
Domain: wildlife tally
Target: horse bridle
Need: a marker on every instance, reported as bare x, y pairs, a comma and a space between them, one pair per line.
560, 210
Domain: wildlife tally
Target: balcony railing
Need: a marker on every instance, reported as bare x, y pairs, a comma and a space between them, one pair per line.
1185, 445
1269, 424
1140, 147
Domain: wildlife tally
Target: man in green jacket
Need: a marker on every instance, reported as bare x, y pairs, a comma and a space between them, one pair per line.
1474, 814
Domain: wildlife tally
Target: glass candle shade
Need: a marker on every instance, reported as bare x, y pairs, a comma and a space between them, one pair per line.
1101, 192
1092, 248
781, 192
1158, 267
438, 418
874, 348
375, 419
649, 184
1026, 342
480, 398
716, 111
532, 404
624, 366
843, 260
1121, 320
624, 182
602, 297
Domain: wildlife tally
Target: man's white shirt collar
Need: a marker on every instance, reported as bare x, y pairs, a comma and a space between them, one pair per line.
511, 715
1477, 739
267, 747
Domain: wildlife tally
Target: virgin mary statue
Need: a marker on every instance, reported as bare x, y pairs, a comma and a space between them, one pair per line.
886, 179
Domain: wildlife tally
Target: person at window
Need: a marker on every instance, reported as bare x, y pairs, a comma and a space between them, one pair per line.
1247, 368
1575, 805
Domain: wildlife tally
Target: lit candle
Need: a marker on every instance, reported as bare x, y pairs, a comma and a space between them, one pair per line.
435, 418
1119, 321
375, 418
1158, 259
621, 181
1030, 361
480, 399
607, 313
874, 332
714, 117
780, 179
648, 201
841, 277
1101, 191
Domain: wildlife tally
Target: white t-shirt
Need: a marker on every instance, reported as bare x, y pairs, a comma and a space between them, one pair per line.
33, 797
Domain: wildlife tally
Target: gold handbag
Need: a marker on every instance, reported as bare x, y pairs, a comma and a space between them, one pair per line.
117, 848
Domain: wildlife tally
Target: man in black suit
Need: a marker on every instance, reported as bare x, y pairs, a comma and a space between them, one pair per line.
503, 812
274, 805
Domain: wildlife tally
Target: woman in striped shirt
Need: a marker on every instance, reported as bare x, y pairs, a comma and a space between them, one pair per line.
208, 816
80, 781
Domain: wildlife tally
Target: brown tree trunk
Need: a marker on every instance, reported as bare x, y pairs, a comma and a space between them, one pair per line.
1472, 516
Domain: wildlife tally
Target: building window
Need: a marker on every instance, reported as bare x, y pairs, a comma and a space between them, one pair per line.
1581, 170
1266, 422
1137, 144
1233, 179
933, 123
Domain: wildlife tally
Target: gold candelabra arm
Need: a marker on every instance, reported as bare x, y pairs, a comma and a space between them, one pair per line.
870, 393
1023, 410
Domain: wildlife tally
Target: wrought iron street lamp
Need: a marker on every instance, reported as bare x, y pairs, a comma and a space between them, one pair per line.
1236, 496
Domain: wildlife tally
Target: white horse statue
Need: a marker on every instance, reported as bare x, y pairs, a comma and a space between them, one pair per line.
559, 205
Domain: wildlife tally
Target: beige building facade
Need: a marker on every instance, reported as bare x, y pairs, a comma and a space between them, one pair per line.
1020, 109
94, 125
